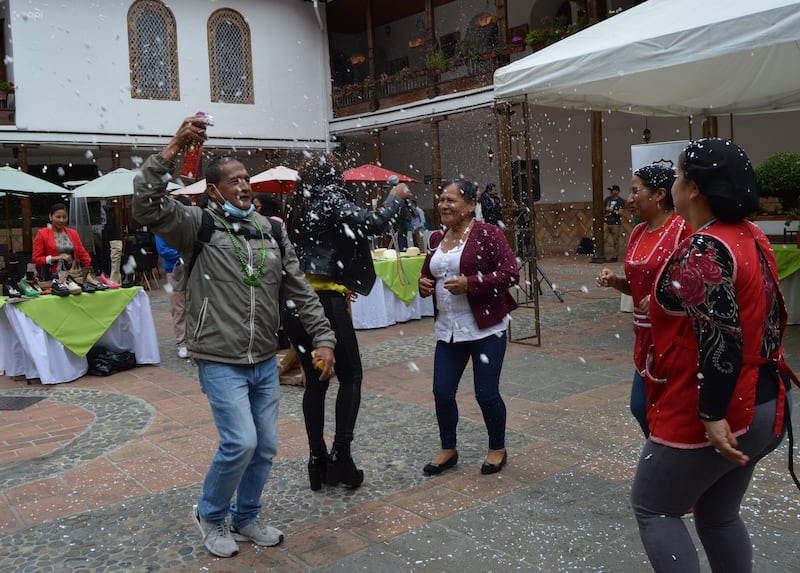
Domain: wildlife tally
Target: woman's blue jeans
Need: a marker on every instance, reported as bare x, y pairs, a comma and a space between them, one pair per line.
244, 401
449, 362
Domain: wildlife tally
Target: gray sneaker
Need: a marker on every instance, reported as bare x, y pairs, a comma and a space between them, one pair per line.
258, 532
216, 536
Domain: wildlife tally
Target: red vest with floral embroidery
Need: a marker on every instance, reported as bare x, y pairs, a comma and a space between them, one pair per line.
672, 383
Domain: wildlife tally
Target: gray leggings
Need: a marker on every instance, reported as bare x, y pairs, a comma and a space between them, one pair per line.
669, 481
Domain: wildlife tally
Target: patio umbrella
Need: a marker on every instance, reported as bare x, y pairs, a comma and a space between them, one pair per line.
195, 188
369, 173
276, 180
279, 179
20, 183
23, 183
113, 184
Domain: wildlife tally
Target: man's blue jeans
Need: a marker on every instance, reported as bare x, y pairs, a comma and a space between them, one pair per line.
449, 362
244, 401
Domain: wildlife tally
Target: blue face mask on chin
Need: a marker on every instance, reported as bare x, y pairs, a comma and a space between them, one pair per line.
235, 211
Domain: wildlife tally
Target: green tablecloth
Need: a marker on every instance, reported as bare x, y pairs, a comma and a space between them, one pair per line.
77, 321
403, 279
788, 259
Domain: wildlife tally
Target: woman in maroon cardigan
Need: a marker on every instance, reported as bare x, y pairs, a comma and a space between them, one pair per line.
57, 245
470, 269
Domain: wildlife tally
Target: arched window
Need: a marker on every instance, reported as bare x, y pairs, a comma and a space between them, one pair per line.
153, 51
230, 58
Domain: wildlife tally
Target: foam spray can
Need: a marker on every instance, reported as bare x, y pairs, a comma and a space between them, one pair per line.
191, 161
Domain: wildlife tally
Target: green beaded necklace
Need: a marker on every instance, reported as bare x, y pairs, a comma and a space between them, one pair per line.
250, 278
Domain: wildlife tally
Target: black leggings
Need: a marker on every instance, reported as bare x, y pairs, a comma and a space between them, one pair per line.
348, 371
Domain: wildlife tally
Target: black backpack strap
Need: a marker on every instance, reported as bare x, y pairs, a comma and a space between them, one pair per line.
277, 234
207, 228
204, 236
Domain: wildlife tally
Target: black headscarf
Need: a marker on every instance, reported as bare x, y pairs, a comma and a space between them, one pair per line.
724, 175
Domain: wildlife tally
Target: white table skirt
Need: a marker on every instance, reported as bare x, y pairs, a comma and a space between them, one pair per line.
382, 308
27, 350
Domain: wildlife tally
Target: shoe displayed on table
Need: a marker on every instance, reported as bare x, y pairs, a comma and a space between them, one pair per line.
432, 469
73, 286
216, 536
258, 532
35, 285
88, 287
104, 280
59, 289
27, 290
183, 352
88, 277
31, 278
128, 281
12, 292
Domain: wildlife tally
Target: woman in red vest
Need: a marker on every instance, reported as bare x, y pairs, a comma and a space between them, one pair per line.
652, 242
715, 389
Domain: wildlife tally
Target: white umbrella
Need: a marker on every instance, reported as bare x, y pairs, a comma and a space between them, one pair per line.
112, 184
279, 174
18, 181
194, 189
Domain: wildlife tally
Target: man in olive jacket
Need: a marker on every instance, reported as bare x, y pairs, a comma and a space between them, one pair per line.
232, 312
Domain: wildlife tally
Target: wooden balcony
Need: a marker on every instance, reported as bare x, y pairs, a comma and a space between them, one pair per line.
415, 85
7, 108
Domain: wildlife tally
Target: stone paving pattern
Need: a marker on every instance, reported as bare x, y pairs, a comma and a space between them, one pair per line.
100, 476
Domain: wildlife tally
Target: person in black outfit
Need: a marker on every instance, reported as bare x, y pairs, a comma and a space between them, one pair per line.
330, 235
400, 228
490, 205
268, 205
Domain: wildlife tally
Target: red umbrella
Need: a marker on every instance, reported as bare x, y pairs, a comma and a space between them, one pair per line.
369, 173
279, 179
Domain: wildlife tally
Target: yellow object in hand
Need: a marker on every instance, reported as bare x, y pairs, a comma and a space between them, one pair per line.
318, 364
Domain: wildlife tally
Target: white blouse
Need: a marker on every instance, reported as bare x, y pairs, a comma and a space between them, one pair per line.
454, 321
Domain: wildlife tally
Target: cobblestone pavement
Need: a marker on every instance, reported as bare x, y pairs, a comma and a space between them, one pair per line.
100, 476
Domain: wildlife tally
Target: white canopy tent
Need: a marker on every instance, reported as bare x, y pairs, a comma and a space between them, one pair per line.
670, 58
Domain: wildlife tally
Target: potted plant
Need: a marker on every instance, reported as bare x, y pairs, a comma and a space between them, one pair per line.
779, 176
435, 60
7, 90
517, 45
538, 38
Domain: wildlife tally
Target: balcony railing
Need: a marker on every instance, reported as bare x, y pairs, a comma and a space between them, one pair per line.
458, 74
7, 108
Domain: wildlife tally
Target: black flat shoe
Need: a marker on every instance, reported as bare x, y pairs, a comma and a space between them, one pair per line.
488, 468
432, 469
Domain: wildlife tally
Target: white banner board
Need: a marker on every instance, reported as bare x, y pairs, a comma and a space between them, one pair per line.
666, 152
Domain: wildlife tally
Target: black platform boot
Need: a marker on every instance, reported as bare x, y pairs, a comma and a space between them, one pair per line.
342, 469
317, 467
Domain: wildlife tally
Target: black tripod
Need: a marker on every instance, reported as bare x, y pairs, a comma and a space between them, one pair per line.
524, 246
549, 283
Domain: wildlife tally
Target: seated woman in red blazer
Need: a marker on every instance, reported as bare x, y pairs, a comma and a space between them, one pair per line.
56, 246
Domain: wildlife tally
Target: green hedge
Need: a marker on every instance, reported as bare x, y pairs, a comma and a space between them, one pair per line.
779, 176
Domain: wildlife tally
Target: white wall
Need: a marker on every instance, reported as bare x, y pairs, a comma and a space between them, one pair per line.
70, 62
